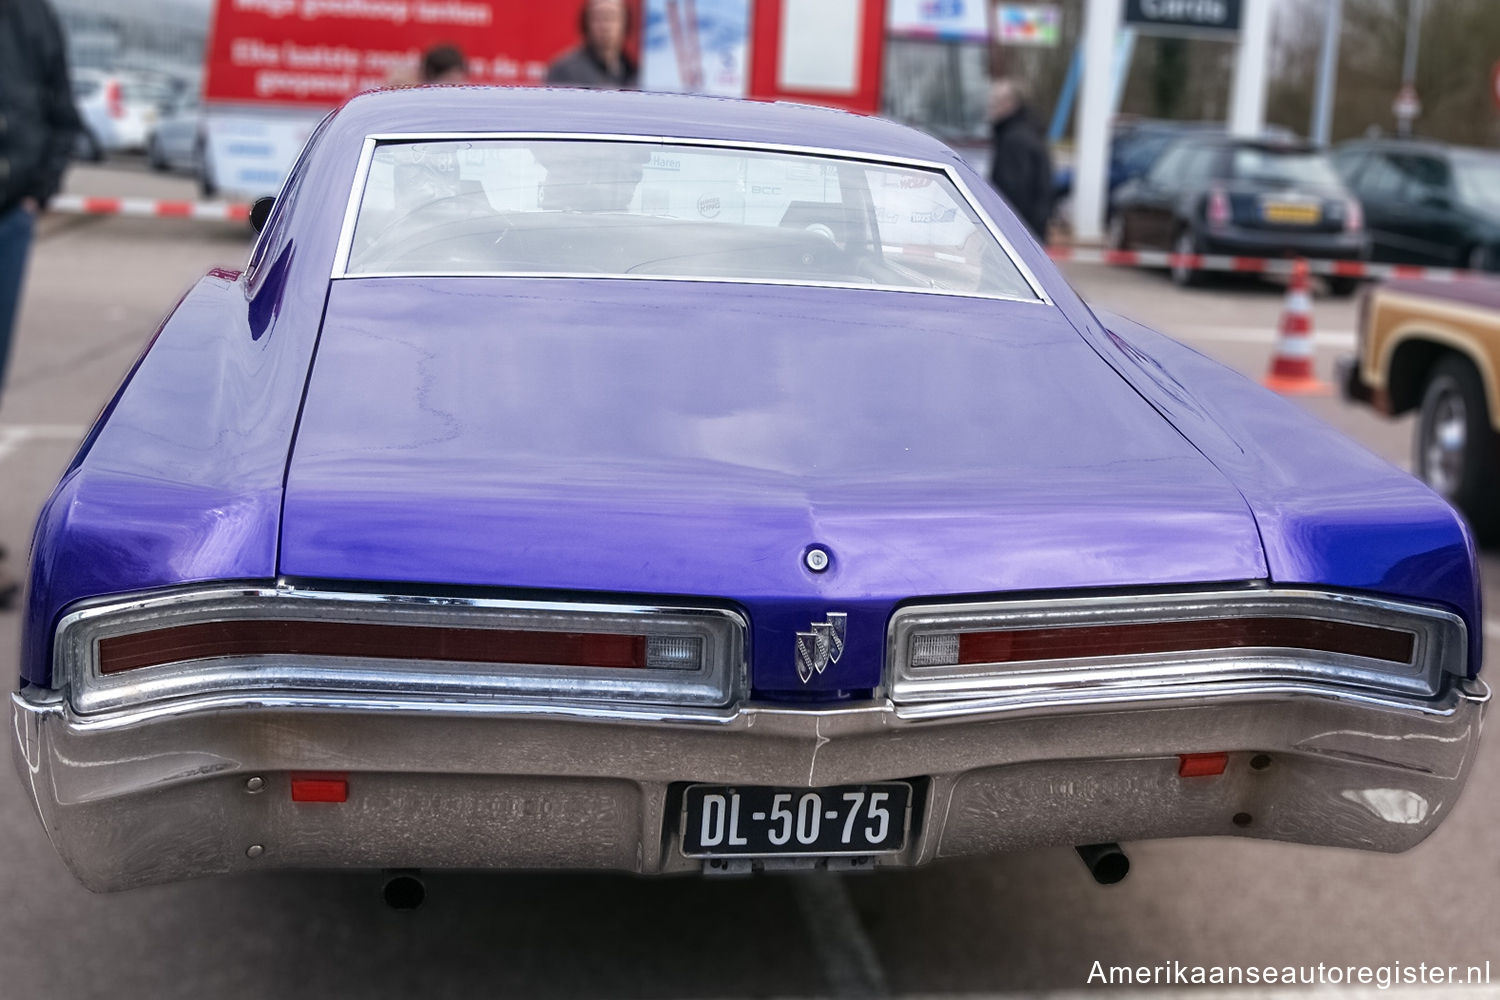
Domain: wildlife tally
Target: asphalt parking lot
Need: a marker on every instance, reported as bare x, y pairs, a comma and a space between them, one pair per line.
1023, 923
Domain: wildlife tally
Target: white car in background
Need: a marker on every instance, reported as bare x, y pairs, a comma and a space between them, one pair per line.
118, 109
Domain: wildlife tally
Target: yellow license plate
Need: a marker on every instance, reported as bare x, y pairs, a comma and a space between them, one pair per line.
1293, 213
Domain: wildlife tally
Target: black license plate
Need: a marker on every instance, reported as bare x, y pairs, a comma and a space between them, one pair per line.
725, 821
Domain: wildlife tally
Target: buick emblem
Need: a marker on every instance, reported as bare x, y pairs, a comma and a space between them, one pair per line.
821, 646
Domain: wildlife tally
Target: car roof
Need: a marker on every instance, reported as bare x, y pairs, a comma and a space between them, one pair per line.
1270, 144
1145, 125
1433, 147
469, 109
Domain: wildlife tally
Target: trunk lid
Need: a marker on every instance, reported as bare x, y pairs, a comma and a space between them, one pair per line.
693, 439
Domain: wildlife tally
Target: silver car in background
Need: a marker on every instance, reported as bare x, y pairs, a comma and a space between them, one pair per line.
176, 143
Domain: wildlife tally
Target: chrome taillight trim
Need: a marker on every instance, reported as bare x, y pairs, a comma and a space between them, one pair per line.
1441, 645
718, 682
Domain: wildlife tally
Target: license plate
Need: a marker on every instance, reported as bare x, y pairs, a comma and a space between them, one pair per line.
1292, 212
723, 821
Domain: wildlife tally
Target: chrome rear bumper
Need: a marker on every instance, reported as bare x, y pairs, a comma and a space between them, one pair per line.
157, 794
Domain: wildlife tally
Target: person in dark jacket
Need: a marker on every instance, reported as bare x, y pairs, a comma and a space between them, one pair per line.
38, 126
601, 60
1020, 166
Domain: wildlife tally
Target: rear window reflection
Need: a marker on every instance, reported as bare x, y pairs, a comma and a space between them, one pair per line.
631, 209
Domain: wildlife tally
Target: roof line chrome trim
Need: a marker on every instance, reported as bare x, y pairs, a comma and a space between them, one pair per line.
371, 141
351, 208
589, 275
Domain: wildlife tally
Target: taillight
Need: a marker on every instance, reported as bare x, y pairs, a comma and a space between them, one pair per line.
216, 641
1218, 212
959, 651
398, 642
1354, 216
1030, 645
114, 99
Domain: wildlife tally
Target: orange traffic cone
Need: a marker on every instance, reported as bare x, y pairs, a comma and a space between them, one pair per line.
1292, 366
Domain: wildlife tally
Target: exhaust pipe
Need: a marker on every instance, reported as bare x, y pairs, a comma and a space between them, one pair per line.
403, 890
1106, 862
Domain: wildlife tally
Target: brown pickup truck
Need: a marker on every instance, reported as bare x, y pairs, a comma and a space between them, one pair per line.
1435, 347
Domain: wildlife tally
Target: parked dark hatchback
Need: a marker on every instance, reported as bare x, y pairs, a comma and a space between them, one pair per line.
1218, 195
1135, 145
1426, 202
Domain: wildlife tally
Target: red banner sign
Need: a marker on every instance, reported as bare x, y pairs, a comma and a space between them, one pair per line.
320, 52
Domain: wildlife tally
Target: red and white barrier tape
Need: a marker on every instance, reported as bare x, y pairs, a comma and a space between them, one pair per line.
151, 208
1254, 265
238, 212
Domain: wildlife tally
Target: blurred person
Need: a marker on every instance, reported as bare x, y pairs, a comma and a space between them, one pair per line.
1020, 166
601, 59
444, 64
38, 127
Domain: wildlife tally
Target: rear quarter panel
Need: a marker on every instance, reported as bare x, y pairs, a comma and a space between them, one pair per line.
180, 478
1330, 513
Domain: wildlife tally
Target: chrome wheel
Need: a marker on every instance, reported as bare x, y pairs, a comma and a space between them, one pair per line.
1456, 448
1445, 438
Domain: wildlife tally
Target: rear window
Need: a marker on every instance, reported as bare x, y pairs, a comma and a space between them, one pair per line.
1292, 168
658, 210
1478, 179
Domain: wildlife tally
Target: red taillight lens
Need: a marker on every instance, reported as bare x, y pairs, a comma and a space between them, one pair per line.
1026, 645
114, 99
207, 640
1354, 216
1218, 212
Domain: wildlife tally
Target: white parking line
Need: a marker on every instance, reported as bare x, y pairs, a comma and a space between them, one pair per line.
850, 964
12, 436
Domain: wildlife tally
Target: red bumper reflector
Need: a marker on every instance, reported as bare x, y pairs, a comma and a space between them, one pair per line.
320, 788
1201, 765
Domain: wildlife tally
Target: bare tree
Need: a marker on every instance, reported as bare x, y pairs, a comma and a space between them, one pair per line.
1458, 48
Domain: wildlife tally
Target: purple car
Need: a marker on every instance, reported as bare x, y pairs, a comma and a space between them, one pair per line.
664, 484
